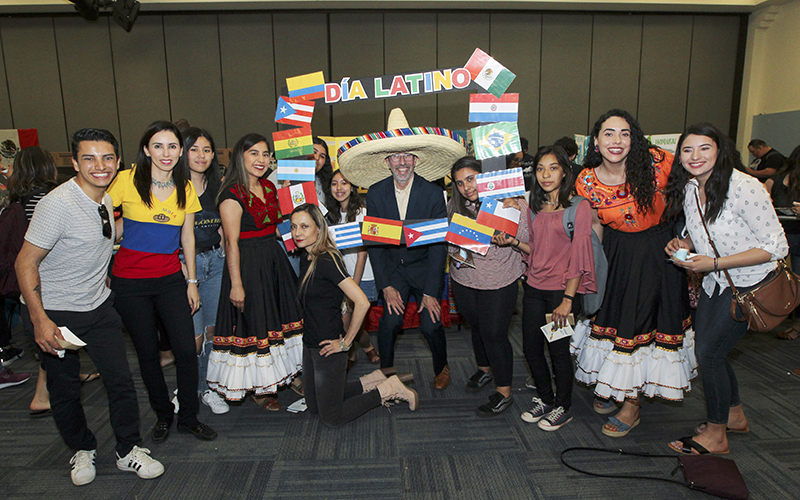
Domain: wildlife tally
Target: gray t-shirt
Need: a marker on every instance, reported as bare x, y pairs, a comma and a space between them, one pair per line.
73, 274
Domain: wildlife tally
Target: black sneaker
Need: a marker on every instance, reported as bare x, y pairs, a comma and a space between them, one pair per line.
200, 431
161, 431
10, 354
497, 404
477, 381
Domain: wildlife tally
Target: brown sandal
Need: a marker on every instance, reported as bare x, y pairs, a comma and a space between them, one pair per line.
790, 333
373, 356
268, 401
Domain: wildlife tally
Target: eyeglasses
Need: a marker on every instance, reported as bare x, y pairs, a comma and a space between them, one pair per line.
106, 221
396, 158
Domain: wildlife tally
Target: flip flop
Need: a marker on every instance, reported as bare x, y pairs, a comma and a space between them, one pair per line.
90, 377
690, 446
40, 413
789, 334
701, 428
622, 428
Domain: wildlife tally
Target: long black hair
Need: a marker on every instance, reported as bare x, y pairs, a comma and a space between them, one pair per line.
212, 175
792, 164
728, 158
459, 202
34, 168
354, 204
236, 174
639, 174
143, 178
538, 195
325, 173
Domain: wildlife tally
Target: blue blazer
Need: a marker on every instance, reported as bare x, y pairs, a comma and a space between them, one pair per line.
426, 262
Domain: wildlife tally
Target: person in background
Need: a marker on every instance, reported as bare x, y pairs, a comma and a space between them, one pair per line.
735, 210
569, 145
201, 158
767, 160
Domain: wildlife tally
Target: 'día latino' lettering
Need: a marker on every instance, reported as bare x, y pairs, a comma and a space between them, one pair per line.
382, 87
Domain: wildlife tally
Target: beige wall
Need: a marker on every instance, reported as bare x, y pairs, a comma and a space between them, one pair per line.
772, 67
223, 71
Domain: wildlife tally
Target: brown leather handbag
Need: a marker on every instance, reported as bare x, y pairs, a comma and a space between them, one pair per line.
767, 305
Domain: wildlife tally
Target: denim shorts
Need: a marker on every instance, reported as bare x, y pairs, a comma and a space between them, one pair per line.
369, 289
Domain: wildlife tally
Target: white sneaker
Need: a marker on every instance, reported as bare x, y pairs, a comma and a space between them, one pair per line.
214, 401
139, 461
83, 471
175, 402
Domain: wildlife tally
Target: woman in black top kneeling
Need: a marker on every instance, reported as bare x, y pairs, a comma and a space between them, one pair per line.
324, 284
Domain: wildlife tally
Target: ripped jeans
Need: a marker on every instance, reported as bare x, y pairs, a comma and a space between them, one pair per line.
209, 277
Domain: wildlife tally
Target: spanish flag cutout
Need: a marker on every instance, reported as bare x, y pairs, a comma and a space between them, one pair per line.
377, 230
468, 234
294, 196
293, 143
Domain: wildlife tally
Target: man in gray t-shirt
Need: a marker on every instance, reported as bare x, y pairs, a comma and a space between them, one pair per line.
61, 271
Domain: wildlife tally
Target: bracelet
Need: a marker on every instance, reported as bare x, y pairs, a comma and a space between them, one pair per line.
570, 297
518, 242
343, 346
716, 264
190, 280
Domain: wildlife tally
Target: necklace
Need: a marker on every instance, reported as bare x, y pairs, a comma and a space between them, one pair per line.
546, 202
164, 185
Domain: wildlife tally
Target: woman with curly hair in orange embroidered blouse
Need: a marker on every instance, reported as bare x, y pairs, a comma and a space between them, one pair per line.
640, 340
258, 342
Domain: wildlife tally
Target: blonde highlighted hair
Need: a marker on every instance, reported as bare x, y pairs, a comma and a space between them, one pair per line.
323, 245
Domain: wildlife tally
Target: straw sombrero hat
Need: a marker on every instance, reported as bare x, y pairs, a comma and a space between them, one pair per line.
362, 160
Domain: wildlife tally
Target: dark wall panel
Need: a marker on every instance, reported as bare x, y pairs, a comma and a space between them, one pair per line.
31, 59
301, 47
713, 70
87, 74
664, 80
407, 58
193, 71
248, 76
6, 121
458, 35
140, 71
616, 53
566, 63
516, 42
358, 55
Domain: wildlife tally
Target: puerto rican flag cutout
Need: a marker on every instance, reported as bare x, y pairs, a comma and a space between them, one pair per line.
468, 234
425, 232
500, 184
493, 214
346, 235
294, 196
294, 111
285, 228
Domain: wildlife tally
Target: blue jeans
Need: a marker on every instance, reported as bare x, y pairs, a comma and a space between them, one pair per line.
716, 335
209, 276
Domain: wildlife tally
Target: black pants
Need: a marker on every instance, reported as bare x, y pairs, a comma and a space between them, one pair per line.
488, 313
535, 305
101, 329
140, 302
390, 324
327, 391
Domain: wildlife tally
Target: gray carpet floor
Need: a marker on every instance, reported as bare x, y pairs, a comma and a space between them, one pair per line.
441, 451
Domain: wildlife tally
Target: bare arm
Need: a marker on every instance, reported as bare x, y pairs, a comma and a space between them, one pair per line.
187, 242
231, 215
354, 293
762, 174
703, 263
361, 264
30, 284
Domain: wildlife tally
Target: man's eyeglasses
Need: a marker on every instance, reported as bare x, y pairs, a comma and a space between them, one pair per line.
396, 158
106, 221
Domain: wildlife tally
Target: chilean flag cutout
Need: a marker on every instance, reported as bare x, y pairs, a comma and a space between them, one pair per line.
294, 196
493, 214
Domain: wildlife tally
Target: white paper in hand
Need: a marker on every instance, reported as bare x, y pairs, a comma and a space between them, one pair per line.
552, 333
71, 341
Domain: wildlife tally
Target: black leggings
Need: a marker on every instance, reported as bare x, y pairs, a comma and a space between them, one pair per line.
327, 391
535, 305
488, 313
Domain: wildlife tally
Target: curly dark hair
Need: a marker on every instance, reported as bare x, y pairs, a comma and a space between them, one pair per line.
728, 158
639, 174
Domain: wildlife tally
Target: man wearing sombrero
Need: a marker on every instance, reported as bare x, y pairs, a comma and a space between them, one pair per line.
398, 166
